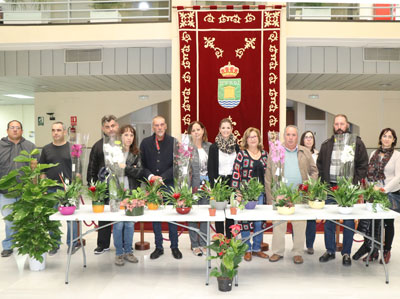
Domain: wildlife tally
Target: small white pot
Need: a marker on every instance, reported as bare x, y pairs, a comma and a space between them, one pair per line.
345, 210
35, 265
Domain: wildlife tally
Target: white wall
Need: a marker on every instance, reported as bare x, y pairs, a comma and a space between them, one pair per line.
89, 107
24, 113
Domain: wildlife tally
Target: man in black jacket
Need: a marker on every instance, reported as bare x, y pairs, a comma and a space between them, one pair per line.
157, 160
328, 168
96, 162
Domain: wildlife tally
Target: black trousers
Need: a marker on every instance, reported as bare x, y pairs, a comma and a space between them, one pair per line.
104, 235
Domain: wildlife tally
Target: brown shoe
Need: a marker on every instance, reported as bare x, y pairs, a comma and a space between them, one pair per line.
297, 259
275, 258
261, 254
247, 256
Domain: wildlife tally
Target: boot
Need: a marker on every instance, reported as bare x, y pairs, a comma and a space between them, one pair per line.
373, 256
386, 256
363, 250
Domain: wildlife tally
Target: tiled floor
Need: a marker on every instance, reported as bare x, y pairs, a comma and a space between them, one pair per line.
170, 278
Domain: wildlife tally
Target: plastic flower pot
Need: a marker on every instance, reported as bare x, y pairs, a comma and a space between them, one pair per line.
183, 210
250, 205
152, 206
315, 204
98, 207
67, 210
285, 210
219, 205
35, 265
224, 284
233, 210
345, 210
212, 211
135, 211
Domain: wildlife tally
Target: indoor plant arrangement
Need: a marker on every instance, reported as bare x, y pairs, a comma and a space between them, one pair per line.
122, 192
219, 194
154, 197
30, 214
182, 197
315, 192
69, 196
285, 198
346, 194
250, 191
135, 202
379, 201
97, 192
229, 253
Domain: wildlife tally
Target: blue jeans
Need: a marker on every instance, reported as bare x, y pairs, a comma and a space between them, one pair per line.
330, 230
311, 230
123, 237
8, 241
74, 232
257, 227
173, 235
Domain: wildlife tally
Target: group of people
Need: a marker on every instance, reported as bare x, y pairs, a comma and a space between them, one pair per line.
223, 159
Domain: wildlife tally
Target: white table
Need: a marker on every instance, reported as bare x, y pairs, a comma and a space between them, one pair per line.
329, 212
199, 213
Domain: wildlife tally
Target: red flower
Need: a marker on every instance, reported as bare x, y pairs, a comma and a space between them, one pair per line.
221, 242
152, 180
334, 188
176, 195
93, 189
382, 190
303, 187
235, 229
363, 182
221, 253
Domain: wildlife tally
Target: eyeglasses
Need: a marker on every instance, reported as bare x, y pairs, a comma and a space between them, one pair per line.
308, 137
14, 128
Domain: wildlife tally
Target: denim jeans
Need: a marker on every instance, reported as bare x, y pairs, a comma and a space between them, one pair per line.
257, 227
123, 237
310, 233
173, 235
7, 242
74, 232
330, 230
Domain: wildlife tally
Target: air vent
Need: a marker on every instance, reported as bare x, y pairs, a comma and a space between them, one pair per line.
83, 55
381, 54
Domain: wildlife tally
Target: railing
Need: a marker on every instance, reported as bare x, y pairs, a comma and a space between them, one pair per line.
343, 12
86, 11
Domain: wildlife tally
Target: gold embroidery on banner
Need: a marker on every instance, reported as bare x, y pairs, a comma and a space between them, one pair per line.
235, 19
274, 63
272, 19
272, 78
250, 18
185, 59
209, 43
187, 19
273, 94
272, 121
186, 119
186, 95
249, 44
273, 36
186, 77
186, 37
209, 18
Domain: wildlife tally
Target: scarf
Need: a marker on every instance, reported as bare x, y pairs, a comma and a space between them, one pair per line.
376, 165
226, 146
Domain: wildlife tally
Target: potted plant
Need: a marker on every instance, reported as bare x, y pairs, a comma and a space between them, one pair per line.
182, 197
122, 192
154, 196
315, 192
97, 192
134, 204
285, 198
30, 213
229, 253
250, 191
234, 204
219, 194
378, 202
346, 194
69, 197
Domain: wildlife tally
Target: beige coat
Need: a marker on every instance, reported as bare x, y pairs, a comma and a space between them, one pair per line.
306, 165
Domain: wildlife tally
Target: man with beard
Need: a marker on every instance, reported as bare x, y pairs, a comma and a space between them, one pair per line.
328, 164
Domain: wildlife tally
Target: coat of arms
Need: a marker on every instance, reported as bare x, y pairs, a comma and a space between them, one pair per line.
229, 90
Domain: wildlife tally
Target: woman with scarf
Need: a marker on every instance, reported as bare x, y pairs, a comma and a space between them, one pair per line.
384, 170
221, 157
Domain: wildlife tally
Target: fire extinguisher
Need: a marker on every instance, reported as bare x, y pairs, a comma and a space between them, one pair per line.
72, 128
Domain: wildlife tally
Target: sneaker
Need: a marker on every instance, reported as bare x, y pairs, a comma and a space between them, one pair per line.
6, 252
310, 250
100, 250
130, 258
197, 251
119, 260
53, 252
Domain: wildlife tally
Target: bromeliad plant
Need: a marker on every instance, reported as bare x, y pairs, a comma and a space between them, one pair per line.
346, 194
286, 195
381, 198
97, 191
229, 252
30, 213
250, 190
153, 192
135, 199
314, 190
71, 193
181, 196
220, 192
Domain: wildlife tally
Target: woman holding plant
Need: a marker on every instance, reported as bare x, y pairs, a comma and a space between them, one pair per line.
221, 157
384, 170
251, 162
123, 231
199, 176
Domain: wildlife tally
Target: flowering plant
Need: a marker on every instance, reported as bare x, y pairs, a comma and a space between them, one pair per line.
314, 189
277, 153
183, 153
346, 194
381, 198
181, 196
136, 199
78, 153
71, 193
346, 144
97, 191
229, 252
220, 192
113, 155
250, 190
286, 196
153, 192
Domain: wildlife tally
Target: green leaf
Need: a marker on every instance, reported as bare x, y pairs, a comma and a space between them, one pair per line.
34, 152
22, 159
24, 152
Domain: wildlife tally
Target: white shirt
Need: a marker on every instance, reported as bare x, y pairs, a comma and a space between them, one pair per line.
225, 165
203, 158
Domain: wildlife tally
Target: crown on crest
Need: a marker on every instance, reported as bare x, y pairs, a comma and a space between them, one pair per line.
229, 70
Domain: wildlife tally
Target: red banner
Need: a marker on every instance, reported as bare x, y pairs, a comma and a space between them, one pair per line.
230, 68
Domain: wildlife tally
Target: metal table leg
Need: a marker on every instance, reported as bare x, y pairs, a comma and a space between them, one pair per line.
71, 225
382, 257
83, 247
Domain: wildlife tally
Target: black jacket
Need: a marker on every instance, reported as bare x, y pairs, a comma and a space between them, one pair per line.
134, 170
96, 161
360, 160
213, 162
158, 162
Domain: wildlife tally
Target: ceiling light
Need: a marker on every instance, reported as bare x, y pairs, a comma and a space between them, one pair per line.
18, 96
143, 97
385, 85
144, 6
313, 97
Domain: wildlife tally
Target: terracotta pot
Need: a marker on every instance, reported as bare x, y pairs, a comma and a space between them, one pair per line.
98, 207
233, 210
152, 206
183, 210
212, 211
67, 210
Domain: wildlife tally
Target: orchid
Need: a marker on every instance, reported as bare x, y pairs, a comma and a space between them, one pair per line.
76, 150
